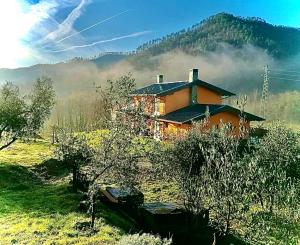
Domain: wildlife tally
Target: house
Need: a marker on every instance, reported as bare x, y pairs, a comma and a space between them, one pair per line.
173, 106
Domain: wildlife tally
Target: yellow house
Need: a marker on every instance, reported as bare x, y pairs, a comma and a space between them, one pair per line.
173, 106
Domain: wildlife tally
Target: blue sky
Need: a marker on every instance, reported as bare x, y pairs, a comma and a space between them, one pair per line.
48, 31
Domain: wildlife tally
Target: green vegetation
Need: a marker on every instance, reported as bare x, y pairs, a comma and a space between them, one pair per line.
143, 239
209, 35
243, 183
35, 211
250, 186
282, 106
74, 151
23, 116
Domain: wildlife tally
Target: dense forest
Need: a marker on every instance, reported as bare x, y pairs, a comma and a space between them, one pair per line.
209, 34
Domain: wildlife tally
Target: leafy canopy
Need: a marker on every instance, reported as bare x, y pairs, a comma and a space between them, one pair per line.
23, 116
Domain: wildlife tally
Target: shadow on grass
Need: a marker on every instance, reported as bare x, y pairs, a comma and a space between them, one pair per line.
52, 168
117, 217
230, 240
16, 177
22, 191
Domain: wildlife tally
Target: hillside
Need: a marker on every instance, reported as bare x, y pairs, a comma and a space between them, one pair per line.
209, 34
73, 75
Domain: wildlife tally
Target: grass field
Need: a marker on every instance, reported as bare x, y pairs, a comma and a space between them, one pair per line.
40, 209
37, 205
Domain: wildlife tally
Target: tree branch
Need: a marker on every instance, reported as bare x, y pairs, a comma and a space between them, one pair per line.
100, 173
8, 144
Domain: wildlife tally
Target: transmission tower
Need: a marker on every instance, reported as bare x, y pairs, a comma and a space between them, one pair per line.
265, 92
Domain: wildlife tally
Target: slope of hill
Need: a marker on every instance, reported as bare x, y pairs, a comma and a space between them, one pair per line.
74, 73
278, 41
108, 59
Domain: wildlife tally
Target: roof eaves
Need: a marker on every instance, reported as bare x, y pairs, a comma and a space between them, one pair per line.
142, 94
253, 117
249, 116
213, 112
171, 90
170, 121
215, 88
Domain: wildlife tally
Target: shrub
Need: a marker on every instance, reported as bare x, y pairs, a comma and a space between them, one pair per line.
21, 116
274, 169
143, 239
74, 151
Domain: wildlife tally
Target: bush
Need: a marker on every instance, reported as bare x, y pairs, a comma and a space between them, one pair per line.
75, 152
143, 239
273, 169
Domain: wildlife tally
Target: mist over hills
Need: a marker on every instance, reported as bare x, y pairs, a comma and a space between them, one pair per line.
229, 51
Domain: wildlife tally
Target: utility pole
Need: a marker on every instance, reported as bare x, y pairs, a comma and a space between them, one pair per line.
265, 92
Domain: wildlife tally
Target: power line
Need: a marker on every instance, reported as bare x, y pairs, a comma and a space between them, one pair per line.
286, 71
283, 78
283, 74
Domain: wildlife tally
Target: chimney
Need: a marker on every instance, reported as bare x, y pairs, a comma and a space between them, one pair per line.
160, 78
193, 75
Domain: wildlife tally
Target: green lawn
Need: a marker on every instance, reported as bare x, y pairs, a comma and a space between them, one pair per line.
38, 207
39, 210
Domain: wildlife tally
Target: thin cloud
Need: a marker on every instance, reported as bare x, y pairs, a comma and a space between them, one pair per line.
92, 26
136, 34
66, 27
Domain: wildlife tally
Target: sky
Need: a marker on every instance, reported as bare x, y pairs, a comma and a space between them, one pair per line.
50, 31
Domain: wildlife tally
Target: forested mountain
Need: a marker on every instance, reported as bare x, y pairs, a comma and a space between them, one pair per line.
209, 34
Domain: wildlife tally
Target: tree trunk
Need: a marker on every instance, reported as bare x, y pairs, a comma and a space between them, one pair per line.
227, 227
271, 203
75, 170
261, 200
93, 211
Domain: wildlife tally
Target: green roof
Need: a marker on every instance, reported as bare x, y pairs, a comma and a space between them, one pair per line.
197, 112
165, 88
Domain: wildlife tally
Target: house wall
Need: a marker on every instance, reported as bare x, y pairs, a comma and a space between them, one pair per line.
171, 129
178, 100
174, 101
227, 117
206, 96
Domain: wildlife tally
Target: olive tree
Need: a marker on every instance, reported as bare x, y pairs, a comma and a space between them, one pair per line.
73, 149
182, 161
224, 163
22, 116
208, 167
274, 167
120, 149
